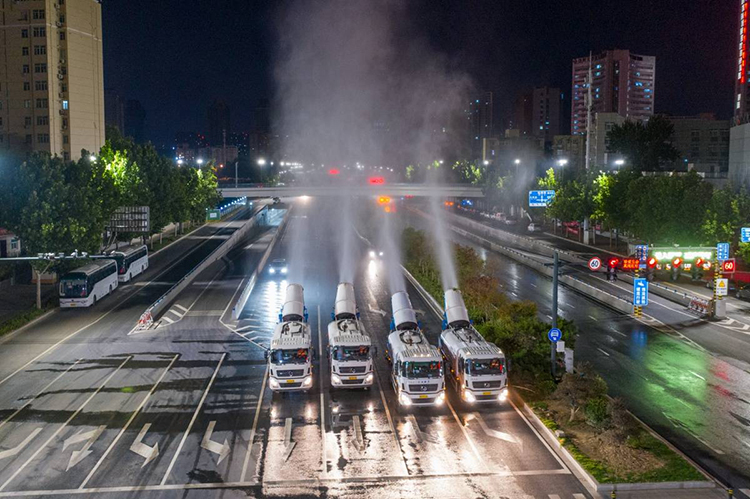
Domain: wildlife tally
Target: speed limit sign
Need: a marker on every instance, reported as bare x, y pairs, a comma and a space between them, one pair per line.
595, 263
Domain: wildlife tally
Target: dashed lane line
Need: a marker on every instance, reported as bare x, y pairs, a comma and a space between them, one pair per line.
251, 441
602, 351
128, 423
64, 425
192, 420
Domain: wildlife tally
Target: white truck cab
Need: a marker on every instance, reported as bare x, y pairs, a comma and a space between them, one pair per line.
474, 366
416, 366
350, 350
291, 353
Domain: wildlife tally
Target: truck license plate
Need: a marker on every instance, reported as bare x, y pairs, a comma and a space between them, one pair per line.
290, 381
486, 393
423, 396
352, 377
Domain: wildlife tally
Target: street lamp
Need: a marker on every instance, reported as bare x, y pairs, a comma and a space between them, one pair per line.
180, 161
619, 162
261, 162
562, 162
92, 158
200, 161
517, 161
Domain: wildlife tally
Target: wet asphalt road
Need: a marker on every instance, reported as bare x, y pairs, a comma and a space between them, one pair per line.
689, 379
182, 410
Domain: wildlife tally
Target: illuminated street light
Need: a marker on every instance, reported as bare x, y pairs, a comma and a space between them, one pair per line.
517, 161
92, 158
620, 162
180, 161
562, 162
200, 161
261, 162
485, 162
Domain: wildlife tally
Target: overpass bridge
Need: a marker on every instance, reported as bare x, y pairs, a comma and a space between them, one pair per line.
394, 190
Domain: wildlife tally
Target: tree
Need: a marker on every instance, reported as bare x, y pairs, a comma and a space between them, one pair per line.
726, 213
645, 147
610, 199
579, 387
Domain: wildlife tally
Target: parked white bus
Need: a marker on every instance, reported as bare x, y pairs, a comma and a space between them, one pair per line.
86, 285
131, 261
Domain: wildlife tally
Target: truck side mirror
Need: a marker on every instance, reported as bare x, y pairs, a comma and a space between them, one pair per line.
266, 354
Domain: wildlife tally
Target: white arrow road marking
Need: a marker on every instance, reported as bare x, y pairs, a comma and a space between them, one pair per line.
288, 439
495, 433
18, 448
142, 449
221, 449
79, 455
378, 311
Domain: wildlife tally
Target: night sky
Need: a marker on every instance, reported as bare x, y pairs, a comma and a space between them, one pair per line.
176, 56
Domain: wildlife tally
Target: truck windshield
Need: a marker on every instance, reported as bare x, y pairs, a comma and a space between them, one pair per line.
351, 353
480, 367
294, 356
431, 369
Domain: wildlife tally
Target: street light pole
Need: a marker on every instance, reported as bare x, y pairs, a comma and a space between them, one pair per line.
235, 173
553, 345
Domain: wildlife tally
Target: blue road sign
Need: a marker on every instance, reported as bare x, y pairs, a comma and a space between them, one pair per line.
745, 234
722, 251
540, 198
554, 335
640, 292
641, 252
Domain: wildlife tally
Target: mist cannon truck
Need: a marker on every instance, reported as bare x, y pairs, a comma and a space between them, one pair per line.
416, 365
475, 367
291, 353
350, 349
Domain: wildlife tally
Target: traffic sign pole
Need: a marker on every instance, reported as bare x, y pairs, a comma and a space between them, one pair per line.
637, 309
555, 272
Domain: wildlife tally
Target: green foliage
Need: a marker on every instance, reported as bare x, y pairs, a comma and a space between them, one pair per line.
21, 320
726, 212
597, 412
645, 147
573, 200
579, 387
549, 181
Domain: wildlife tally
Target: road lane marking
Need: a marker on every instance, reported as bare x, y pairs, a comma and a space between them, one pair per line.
60, 429
553, 496
359, 439
192, 420
532, 284
495, 433
323, 450
579, 496
593, 318
165, 318
602, 351
746, 492
142, 449
175, 312
680, 425
24, 406
128, 423
288, 442
618, 332
222, 450
18, 448
415, 427
89, 437
466, 435
181, 307
243, 328
255, 426
697, 375
539, 436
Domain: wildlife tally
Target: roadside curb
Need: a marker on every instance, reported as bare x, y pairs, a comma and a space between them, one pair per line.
6, 337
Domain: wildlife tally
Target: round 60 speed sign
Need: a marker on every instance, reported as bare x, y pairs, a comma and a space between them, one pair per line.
595, 263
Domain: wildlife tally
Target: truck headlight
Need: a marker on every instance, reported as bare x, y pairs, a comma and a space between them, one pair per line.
503, 396
273, 383
440, 400
308, 382
335, 379
284, 270
369, 378
404, 399
272, 270
372, 254
469, 397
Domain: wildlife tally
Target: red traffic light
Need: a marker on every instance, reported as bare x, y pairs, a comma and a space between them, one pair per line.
677, 262
651, 262
699, 262
729, 265
333, 171
376, 180
613, 262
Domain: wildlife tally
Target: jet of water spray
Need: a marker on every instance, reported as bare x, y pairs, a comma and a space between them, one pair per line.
443, 245
348, 254
392, 253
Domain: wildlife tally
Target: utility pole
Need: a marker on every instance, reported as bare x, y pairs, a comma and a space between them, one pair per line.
553, 345
589, 107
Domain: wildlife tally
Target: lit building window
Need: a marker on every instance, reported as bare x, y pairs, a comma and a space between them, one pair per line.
65, 104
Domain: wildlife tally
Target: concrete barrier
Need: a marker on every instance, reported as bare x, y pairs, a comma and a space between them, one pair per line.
240, 304
164, 300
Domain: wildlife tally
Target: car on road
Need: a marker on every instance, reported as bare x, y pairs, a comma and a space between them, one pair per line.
534, 227
510, 221
278, 267
376, 253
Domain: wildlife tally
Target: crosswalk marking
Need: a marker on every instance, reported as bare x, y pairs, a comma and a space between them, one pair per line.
168, 319
579, 496
553, 496
180, 307
175, 312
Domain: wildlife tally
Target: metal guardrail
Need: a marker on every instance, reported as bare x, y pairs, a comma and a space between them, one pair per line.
147, 318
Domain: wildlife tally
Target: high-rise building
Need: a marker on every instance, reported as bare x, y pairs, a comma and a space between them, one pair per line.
601, 156
622, 83
135, 121
703, 142
51, 78
481, 125
114, 109
742, 96
536, 113
218, 122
